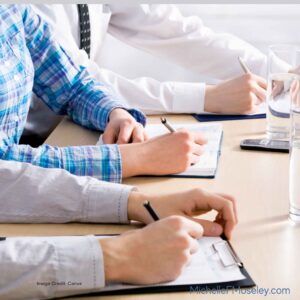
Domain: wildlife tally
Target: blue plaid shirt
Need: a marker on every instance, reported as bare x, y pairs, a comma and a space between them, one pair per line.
30, 60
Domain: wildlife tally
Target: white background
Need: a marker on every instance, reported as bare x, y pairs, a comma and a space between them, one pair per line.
259, 24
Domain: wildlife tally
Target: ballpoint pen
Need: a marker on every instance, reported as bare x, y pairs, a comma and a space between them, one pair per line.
167, 124
244, 66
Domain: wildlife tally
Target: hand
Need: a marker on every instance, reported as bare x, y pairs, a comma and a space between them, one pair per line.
241, 95
122, 128
157, 253
189, 204
167, 154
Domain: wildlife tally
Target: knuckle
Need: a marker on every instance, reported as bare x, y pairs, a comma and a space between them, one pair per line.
183, 241
185, 134
177, 222
248, 77
128, 122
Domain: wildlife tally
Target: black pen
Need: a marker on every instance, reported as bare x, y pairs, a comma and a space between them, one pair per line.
151, 211
2, 238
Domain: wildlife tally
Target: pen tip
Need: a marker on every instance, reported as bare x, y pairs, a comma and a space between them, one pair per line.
146, 202
163, 120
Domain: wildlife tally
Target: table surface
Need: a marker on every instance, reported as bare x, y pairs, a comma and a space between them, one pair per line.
267, 242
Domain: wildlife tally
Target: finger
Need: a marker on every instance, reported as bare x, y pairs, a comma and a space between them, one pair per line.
232, 199
259, 92
199, 138
194, 229
194, 159
109, 136
125, 133
138, 134
260, 81
197, 149
146, 136
194, 245
209, 228
223, 205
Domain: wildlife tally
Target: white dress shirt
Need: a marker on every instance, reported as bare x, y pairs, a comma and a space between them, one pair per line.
160, 30
31, 266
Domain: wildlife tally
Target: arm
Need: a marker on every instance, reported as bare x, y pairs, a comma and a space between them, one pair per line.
30, 267
163, 31
32, 194
62, 85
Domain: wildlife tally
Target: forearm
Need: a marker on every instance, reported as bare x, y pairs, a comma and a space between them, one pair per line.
102, 162
41, 267
31, 194
67, 88
163, 31
156, 97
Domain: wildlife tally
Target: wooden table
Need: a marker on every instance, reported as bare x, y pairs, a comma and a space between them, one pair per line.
267, 242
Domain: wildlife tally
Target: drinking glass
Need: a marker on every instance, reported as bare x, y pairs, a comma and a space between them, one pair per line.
281, 63
294, 176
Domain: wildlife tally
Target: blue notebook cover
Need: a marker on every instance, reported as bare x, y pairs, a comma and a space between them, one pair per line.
214, 118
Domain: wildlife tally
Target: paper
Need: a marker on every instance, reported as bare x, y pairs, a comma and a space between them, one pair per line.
208, 162
206, 267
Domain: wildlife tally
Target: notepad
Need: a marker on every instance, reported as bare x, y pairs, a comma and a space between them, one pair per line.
206, 269
211, 117
208, 163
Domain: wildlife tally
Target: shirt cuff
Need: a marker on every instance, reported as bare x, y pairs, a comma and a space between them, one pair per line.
107, 203
79, 266
188, 97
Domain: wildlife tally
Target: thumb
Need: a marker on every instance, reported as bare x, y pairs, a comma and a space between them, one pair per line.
210, 228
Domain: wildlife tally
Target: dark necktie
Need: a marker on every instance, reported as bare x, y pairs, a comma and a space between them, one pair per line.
85, 28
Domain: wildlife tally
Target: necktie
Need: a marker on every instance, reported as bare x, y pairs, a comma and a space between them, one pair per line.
85, 28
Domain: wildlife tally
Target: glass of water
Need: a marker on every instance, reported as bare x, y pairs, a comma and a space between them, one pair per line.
281, 63
294, 178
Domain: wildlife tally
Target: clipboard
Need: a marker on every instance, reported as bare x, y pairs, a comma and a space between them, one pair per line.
219, 248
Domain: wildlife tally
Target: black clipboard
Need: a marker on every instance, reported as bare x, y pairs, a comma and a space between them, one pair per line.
247, 282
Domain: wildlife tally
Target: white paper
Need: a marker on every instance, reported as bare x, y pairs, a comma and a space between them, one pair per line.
206, 267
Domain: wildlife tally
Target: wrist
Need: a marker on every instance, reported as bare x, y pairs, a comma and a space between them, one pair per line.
131, 158
135, 208
111, 262
210, 99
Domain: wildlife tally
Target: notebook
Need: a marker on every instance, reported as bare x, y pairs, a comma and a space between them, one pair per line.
214, 265
260, 114
208, 163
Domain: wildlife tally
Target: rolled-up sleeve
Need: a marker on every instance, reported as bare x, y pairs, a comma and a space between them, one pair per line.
31, 194
42, 268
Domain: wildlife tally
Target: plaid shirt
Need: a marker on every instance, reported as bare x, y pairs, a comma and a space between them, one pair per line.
31, 60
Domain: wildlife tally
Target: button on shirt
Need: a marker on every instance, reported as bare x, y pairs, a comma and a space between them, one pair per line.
35, 62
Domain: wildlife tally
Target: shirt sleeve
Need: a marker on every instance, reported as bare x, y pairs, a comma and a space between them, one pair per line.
65, 87
102, 162
42, 268
31, 194
163, 31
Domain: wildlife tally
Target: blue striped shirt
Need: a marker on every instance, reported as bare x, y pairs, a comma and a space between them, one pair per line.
31, 61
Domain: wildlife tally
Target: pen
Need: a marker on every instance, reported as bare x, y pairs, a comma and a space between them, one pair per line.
167, 124
151, 211
2, 239
244, 66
